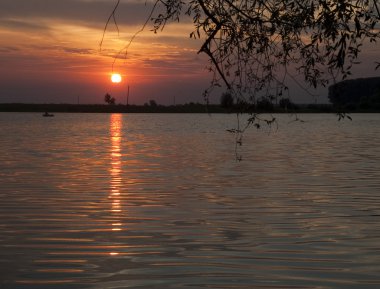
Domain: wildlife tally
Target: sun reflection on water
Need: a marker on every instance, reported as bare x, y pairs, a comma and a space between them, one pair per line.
115, 170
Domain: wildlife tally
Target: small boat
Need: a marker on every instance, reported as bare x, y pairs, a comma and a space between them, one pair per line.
46, 114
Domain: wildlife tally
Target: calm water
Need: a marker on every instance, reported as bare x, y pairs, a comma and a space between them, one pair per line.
158, 201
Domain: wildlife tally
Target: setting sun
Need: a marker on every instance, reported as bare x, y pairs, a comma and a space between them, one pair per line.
116, 78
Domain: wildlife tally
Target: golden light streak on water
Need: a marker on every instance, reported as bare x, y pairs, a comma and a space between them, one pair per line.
116, 173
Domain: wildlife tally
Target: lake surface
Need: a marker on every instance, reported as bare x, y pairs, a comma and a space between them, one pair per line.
159, 201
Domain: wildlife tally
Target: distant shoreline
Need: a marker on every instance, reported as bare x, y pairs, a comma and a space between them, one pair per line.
183, 108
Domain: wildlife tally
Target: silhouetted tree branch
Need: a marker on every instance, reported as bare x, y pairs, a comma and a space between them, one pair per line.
251, 42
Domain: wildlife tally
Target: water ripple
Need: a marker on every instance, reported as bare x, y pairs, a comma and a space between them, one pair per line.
158, 201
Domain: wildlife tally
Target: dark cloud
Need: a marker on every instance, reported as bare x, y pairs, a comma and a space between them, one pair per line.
93, 13
23, 25
184, 66
9, 49
83, 51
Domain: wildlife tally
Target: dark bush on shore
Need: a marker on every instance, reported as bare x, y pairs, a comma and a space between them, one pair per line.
361, 93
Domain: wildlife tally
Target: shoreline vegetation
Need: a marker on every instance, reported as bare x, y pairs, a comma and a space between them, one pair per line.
180, 108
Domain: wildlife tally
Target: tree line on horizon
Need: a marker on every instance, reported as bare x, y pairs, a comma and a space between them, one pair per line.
346, 95
361, 93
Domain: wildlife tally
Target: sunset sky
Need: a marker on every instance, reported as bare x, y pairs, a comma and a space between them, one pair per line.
49, 53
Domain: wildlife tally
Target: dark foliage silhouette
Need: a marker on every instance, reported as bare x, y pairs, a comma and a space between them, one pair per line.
356, 93
226, 100
109, 99
251, 44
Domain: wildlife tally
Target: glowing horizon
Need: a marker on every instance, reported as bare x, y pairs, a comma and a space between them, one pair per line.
52, 55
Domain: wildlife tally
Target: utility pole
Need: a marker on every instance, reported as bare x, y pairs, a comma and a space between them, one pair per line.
127, 95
